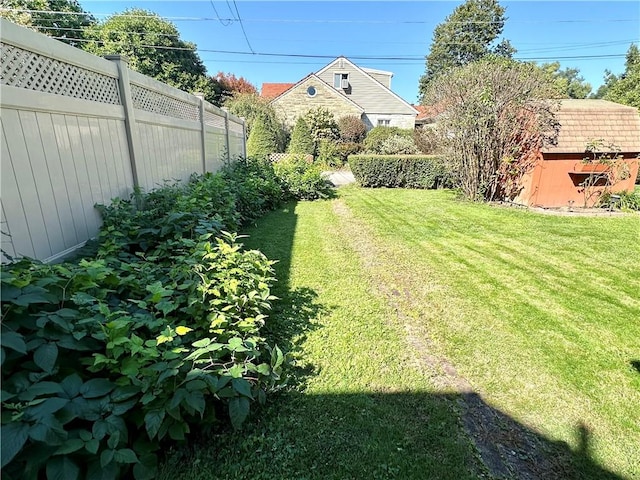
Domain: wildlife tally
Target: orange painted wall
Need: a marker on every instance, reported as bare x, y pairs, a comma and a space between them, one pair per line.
549, 183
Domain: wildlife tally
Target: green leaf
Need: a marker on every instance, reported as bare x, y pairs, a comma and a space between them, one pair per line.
238, 411
196, 385
3, 355
18, 432
170, 372
69, 446
92, 446
276, 357
62, 468
125, 455
106, 457
241, 386
180, 395
46, 356
123, 393
196, 401
235, 345
96, 387
152, 422
71, 385
146, 468
85, 435
202, 343
263, 369
14, 341
98, 472
166, 307
40, 388
28, 298
49, 406
9, 292
99, 429
177, 430
130, 366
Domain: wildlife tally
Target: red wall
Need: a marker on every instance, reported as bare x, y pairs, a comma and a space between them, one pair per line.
549, 183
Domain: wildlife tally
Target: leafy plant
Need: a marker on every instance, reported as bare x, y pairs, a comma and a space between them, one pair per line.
405, 171
378, 135
302, 180
608, 168
352, 129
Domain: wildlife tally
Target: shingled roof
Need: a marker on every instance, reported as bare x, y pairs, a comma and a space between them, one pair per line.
582, 121
272, 90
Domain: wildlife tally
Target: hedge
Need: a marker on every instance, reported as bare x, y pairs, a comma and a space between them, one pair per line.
400, 171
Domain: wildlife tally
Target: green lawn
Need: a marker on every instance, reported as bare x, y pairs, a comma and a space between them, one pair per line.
400, 306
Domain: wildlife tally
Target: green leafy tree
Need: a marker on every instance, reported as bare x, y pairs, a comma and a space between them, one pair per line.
153, 46
352, 129
569, 83
322, 125
251, 106
43, 16
301, 141
465, 36
496, 115
262, 139
624, 88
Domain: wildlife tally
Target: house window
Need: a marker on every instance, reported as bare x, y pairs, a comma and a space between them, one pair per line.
383, 122
341, 80
311, 91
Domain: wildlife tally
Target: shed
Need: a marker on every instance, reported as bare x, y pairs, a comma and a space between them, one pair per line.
561, 178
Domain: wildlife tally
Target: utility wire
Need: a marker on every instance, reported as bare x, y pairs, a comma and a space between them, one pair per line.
222, 21
241, 25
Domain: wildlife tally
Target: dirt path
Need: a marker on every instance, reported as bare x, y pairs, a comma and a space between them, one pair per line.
506, 448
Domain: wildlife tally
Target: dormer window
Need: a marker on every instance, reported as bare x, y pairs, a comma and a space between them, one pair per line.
341, 80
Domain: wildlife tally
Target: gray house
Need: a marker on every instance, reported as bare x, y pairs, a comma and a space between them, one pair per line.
344, 89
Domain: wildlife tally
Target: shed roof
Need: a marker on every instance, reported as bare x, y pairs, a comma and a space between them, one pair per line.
272, 90
582, 121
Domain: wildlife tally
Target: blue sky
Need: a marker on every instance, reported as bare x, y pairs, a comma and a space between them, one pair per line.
589, 35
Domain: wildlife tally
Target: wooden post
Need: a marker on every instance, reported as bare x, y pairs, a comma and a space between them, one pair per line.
129, 118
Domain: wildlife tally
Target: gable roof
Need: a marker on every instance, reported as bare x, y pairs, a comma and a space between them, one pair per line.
272, 90
318, 81
582, 121
369, 77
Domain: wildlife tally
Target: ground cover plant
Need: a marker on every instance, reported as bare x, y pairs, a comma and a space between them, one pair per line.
156, 331
447, 339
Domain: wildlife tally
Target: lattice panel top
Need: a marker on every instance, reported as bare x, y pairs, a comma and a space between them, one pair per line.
24, 69
213, 120
154, 102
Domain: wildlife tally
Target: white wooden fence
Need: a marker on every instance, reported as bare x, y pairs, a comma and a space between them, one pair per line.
79, 130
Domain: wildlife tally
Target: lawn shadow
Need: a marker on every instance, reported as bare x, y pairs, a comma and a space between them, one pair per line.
384, 435
635, 364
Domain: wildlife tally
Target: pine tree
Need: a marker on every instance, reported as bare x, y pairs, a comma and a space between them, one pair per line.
262, 140
301, 141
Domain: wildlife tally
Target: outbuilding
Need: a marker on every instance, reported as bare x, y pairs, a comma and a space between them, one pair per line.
605, 133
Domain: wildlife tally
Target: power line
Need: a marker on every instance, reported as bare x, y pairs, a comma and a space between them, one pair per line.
222, 21
241, 25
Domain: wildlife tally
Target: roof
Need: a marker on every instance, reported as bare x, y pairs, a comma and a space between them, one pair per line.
272, 90
318, 81
379, 72
582, 121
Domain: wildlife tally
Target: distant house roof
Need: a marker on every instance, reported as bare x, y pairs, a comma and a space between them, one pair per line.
272, 90
582, 121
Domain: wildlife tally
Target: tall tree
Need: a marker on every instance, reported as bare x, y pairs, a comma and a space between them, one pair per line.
62, 19
568, 82
251, 106
153, 46
624, 88
231, 85
496, 114
467, 35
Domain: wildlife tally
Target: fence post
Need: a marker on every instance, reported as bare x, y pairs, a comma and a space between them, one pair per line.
203, 132
244, 138
226, 135
129, 119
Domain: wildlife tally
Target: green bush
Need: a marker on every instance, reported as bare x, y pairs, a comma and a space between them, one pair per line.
157, 333
622, 200
263, 139
378, 135
302, 180
405, 171
397, 145
329, 154
301, 141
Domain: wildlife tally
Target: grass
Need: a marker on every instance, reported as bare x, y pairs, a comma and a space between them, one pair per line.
538, 314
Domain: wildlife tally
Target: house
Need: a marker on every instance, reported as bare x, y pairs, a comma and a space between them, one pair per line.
344, 89
561, 178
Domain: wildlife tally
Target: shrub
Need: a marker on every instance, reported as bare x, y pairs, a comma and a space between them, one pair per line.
346, 149
159, 332
352, 129
329, 154
397, 145
322, 126
262, 139
301, 141
302, 180
622, 200
377, 136
426, 140
400, 171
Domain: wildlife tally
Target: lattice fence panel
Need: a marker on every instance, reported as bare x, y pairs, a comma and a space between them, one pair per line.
213, 120
24, 69
154, 102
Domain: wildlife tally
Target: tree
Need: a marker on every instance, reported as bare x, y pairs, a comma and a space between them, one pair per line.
464, 37
231, 85
496, 114
68, 26
322, 126
153, 46
251, 106
262, 140
568, 82
624, 88
301, 141
352, 129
